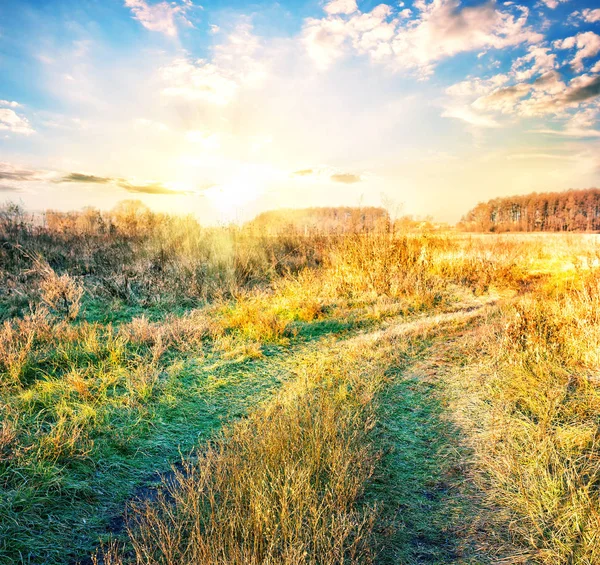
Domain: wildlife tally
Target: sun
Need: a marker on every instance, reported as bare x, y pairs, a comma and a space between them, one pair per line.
240, 190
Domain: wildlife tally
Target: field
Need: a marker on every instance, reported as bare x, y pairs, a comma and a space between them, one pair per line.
171, 394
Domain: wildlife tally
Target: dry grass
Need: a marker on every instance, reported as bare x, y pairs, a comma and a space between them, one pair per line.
279, 487
284, 485
535, 425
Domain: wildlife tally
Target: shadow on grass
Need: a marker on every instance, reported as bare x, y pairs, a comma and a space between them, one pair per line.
417, 487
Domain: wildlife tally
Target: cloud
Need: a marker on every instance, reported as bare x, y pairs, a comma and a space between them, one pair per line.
587, 44
476, 86
341, 7
328, 173
552, 4
145, 188
160, 17
10, 104
324, 40
580, 124
442, 29
468, 115
12, 122
346, 178
446, 28
538, 60
10, 172
503, 99
4, 188
584, 92
148, 188
82, 177
591, 16
198, 81
587, 15
217, 82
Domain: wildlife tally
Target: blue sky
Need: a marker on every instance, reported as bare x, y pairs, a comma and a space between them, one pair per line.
225, 109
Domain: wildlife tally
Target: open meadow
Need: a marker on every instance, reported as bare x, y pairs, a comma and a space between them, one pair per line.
171, 394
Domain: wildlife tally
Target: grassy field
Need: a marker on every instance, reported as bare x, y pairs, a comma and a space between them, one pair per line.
171, 394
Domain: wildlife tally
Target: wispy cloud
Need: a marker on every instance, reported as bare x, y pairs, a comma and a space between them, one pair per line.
13, 173
10, 104
130, 186
149, 188
470, 116
327, 173
199, 81
161, 17
346, 178
235, 64
82, 177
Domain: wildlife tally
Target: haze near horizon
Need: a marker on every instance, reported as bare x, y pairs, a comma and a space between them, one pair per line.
226, 110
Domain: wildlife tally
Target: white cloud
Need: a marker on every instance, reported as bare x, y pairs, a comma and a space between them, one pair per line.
234, 65
552, 4
580, 124
442, 29
324, 40
10, 104
12, 122
503, 99
591, 16
198, 80
205, 139
587, 45
467, 114
476, 86
151, 125
341, 7
159, 17
538, 60
446, 29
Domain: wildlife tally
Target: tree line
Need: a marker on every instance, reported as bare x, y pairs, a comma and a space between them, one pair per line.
572, 210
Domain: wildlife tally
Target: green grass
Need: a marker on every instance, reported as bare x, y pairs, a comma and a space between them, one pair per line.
56, 510
57, 514
420, 486
94, 410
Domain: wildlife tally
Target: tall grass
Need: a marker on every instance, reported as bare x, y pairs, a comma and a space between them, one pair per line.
279, 487
284, 485
538, 440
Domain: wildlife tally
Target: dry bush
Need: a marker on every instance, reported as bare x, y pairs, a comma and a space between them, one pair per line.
62, 294
252, 318
9, 433
18, 339
381, 264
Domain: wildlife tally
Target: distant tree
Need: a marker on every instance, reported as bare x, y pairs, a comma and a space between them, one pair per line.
572, 210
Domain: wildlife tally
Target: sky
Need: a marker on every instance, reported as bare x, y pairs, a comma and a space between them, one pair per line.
224, 109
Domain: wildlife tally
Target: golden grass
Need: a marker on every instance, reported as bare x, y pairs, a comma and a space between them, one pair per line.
284, 485
534, 428
279, 487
